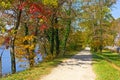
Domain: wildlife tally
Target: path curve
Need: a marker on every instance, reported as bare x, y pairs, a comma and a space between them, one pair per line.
79, 67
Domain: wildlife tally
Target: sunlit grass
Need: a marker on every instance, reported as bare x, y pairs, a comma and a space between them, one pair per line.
113, 57
103, 69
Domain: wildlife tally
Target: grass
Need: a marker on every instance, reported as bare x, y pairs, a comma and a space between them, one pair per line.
103, 69
113, 57
37, 72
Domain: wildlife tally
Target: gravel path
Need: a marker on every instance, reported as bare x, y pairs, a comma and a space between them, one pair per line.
79, 67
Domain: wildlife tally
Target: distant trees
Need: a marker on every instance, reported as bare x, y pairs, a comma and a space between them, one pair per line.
97, 20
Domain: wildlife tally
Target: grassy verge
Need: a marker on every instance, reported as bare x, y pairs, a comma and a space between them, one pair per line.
113, 57
37, 72
103, 69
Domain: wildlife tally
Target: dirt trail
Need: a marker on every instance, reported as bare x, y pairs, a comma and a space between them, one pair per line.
79, 67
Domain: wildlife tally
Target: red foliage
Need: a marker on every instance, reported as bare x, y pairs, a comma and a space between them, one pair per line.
22, 5
35, 8
44, 18
40, 16
40, 10
7, 39
43, 27
33, 17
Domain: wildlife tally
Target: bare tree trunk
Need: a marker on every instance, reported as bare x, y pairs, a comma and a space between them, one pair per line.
12, 50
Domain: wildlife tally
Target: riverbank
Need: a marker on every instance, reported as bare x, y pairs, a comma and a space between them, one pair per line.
38, 71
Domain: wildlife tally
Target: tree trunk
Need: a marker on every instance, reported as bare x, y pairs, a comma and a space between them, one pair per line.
31, 58
13, 61
101, 32
44, 46
66, 36
57, 41
12, 51
67, 28
52, 41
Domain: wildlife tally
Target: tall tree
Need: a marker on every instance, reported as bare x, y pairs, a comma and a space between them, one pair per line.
99, 23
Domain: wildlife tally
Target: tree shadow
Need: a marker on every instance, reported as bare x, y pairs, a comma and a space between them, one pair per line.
113, 57
97, 57
78, 60
109, 56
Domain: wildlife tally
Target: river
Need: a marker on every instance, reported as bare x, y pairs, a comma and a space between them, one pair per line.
21, 64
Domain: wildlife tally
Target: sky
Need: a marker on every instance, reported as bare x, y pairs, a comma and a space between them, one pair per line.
115, 11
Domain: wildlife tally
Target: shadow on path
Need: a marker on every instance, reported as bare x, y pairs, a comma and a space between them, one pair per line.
83, 58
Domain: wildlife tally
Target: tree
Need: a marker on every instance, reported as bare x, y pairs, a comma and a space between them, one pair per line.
99, 23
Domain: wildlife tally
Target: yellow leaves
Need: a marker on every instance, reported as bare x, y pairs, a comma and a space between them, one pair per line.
2, 3
30, 44
50, 2
3, 30
20, 51
30, 47
29, 38
2, 40
5, 4
13, 31
26, 46
25, 43
41, 20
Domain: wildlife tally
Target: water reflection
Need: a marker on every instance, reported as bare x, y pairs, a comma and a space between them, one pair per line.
6, 62
21, 63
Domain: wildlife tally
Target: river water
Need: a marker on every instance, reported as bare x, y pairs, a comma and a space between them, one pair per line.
21, 64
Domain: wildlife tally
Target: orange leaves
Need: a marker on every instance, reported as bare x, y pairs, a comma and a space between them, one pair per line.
42, 17
20, 51
23, 43
30, 47
28, 38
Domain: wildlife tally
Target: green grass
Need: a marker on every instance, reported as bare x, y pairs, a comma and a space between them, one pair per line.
113, 57
37, 72
103, 69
